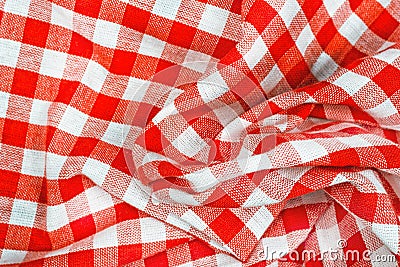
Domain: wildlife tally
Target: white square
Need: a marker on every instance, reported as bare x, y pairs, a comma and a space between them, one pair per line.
189, 142
33, 162
106, 33
200, 61
332, 6
4, 97
275, 247
94, 76
152, 230
56, 217
385, 46
183, 197
53, 63
224, 259
151, 46
257, 198
327, 236
193, 219
260, 222
54, 164
136, 89
353, 28
384, 3
9, 51
174, 220
62, 17
351, 82
39, 112
383, 110
10, 256
289, 11
166, 8
389, 55
309, 150
98, 199
305, 38
19, 7
212, 87
23, 213
324, 67
213, 20
272, 79
389, 234
256, 53
73, 121
354, 141
106, 238
115, 134
375, 180
202, 180
95, 170
136, 195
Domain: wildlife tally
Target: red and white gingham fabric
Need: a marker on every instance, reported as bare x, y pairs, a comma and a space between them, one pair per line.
328, 72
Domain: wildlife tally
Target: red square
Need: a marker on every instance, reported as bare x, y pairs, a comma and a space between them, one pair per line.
119, 162
310, 7
388, 79
136, 18
236, 7
351, 58
39, 241
355, 243
83, 227
354, 4
297, 74
162, 65
128, 254
84, 146
326, 34
223, 47
8, 183
104, 107
122, 62
89, 8
385, 25
24, 83
295, 219
70, 188
80, 46
390, 153
159, 260
227, 225
36, 32
340, 212
14, 133
81, 258
260, 15
181, 35
199, 249
363, 205
153, 139
124, 211
66, 91
345, 157
3, 234
281, 46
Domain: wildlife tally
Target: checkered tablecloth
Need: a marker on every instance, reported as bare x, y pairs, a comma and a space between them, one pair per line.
116, 148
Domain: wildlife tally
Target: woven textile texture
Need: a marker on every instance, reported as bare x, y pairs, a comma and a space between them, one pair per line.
200, 133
